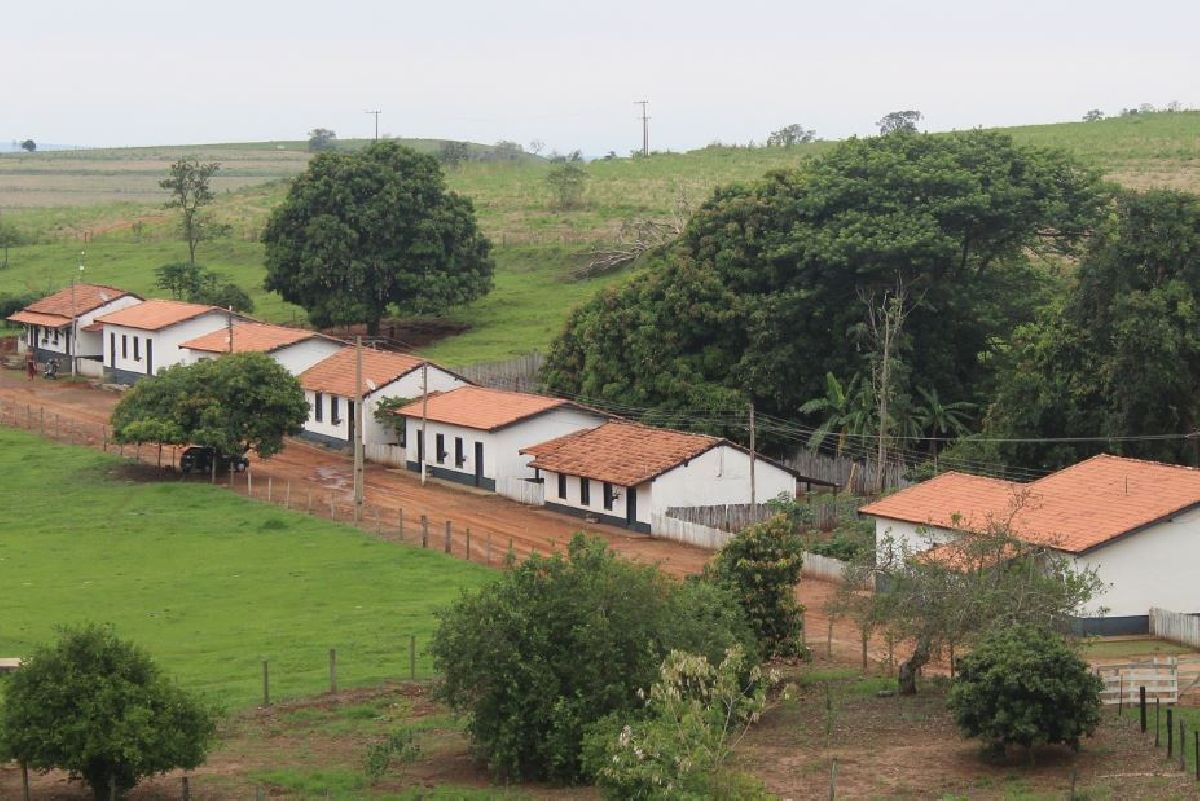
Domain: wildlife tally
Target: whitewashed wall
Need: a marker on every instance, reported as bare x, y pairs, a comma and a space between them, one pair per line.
304, 354
720, 475
572, 497
166, 342
1154, 567
407, 386
907, 537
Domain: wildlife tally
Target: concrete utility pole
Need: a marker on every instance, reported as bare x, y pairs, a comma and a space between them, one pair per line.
424, 414
358, 430
73, 345
376, 112
645, 127
229, 326
753, 497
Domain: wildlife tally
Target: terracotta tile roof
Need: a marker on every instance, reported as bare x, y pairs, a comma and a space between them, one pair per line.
35, 318
482, 408
620, 452
1074, 510
258, 337
335, 375
156, 314
87, 298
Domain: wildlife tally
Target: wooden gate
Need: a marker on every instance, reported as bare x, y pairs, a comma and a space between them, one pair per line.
1123, 682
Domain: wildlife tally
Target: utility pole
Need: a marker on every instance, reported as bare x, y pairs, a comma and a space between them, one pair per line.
375, 112
73, 345
753, 496
358, 432
424, 414
645, 127
229, 326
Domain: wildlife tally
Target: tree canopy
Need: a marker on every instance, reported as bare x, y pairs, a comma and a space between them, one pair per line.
190, 185
233, 403
362, 232
556, 644
761, 297
1119, 356
98, 707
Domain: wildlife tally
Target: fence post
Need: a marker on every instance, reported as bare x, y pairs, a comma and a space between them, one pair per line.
1170, 735
447, 536
1142, 707
25, 782
412, 656
489, 549
400, 516
424, 531
249, 484
186, 794
266, 684
287, 496
1157, 712
833, 780
1196, 735
1182, 745
468, 543
270, 481
333, 670
332, 508
378, 525
308, 503
42, 419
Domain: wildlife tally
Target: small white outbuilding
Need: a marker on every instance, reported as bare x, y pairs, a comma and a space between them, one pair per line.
63, 325
476, 435
1135, 522
296, 349
626, 474
329, 389
143, 339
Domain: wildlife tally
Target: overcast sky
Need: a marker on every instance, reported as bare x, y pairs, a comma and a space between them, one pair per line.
142, 72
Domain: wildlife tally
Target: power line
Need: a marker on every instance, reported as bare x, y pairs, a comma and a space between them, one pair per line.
376, 112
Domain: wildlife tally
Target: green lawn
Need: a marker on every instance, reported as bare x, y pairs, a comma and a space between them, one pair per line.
210, 583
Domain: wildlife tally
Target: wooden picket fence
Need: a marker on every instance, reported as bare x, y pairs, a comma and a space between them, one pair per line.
1175, 626
733, 517
519, 374
858, 476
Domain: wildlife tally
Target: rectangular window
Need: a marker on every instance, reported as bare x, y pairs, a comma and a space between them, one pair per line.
460, 457
55, 336
137, 349
562, 486
318, 407
335, 411
585, 491
112, 348
124, 347
608, 496
441, 448
421, 445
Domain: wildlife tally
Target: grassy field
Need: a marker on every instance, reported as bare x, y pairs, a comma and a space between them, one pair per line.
209, 583
68, 201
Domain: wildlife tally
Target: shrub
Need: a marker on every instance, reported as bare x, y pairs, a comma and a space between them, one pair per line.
1023, 685
98, 707
761, 566
558, 643
400, 746
695, 715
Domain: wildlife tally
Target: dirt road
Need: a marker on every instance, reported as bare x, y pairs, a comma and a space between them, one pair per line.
314, 479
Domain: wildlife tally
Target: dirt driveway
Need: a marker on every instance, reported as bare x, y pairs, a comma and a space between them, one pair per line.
308, 478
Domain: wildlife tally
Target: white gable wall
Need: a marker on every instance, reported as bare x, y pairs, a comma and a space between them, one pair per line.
502, 457
719, 475
910, 538
166, 341
90, 342
1152, 567
298, 357
407, 386
572, 498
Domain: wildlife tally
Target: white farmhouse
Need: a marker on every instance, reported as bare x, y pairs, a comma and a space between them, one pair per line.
294, 348
329, 389
626, 473
63, 325
143, 339
1136, 522
476, 436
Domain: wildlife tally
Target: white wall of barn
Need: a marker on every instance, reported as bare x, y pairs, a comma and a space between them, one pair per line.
572, 496
302, 355
407, 386
91, 343
720, 475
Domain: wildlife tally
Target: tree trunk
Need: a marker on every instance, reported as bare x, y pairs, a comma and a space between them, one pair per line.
907, 679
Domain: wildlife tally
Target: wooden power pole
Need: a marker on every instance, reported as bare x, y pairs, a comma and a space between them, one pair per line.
358, 430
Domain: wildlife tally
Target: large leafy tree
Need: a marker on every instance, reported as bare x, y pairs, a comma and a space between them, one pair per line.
234, 403
98, 707
190, 184
1120, 356
558, 643
362, 232
762, 295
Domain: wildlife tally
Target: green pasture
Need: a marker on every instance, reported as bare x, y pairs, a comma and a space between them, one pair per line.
210, 583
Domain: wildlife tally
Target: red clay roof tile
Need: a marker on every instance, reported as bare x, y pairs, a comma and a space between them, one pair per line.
335, 375
481, 408
156, 314
620, 452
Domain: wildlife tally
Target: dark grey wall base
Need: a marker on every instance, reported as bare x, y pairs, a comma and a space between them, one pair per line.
324, 439
611, 520
1111, 626
114, 375
467, 479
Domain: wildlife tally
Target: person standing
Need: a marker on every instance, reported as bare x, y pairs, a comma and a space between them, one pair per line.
30, 365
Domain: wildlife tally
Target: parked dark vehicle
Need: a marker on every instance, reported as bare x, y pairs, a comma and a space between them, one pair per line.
200, 459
